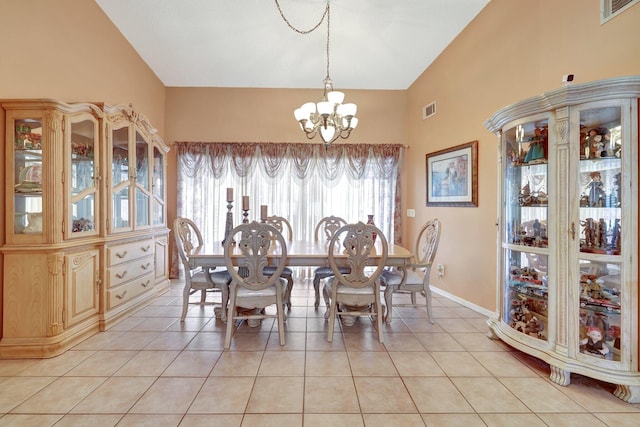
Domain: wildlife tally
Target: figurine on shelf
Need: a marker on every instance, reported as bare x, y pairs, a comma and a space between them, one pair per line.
602, 233
534, 327
596, 190
589, 232
615, 235
593, 343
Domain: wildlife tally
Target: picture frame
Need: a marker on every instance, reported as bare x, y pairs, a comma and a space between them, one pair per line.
452, 176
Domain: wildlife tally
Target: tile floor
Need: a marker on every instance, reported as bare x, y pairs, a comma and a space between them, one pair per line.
151, 370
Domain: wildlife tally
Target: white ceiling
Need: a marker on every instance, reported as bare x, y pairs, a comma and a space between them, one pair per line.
375, 44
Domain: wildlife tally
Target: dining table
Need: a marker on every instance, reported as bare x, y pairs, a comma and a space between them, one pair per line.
299, 253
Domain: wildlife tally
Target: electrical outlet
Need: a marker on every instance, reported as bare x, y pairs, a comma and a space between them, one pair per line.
411, 213
440, 270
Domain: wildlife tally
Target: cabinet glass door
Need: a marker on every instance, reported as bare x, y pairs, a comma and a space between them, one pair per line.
525, 227
27, 180
158, 187
600, 202
143, 187
83, 185
120, 180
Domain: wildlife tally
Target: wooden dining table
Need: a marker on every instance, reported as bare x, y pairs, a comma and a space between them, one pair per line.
299, 254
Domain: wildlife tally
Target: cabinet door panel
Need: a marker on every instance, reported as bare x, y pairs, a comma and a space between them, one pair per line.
83, 275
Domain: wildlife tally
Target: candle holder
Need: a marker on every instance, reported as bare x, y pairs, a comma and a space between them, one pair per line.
229, 223
245, 216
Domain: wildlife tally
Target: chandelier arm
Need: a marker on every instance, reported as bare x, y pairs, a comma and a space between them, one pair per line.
290, 25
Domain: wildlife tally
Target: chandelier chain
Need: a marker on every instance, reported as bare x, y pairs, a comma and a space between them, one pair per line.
326, 14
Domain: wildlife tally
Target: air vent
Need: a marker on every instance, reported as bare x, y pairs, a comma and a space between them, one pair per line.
428, 110
611, 8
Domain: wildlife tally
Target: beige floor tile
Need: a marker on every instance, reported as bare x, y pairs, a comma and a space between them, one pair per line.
131, 341
631, 419
238, 364
335, 395
415, 364
438, 341
317, 341
371, 364
393, 420
101, 364
576, 420
294, 341
366, 341
480, 324
383, 396
171, 341
147, 363
489, 395
510, 420
60, 396
151, 420
194, 324
158, 324
211, 420
436, 395
333, 420
279, 395
207, 341
456, 325
14, 391
595, 396
459, 364
223, 395
272, 420
476, 341
192, 364
282, 364
295, 324
397, 341
453, 420
14, 367
35, 420
83, 420
503, 364
114, 396
421, 325
99, 341
168, 396
249, 341
540, 396
327, 364
56, 366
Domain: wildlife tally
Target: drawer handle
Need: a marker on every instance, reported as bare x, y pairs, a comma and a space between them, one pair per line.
122, 295
145, 284
145, 266
121, 254
121, 275
145, 248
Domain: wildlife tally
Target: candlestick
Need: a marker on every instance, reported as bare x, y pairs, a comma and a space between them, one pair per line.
229, 223
245, 203
263, 213
229, 194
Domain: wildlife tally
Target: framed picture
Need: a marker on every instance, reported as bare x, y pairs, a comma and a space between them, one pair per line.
452, 176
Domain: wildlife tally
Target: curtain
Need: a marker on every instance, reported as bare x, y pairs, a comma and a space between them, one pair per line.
301, 182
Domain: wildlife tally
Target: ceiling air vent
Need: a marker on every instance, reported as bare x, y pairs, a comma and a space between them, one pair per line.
611, 8
428, 110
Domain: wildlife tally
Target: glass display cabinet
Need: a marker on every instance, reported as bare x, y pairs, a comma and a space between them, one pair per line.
568, 270
71, 267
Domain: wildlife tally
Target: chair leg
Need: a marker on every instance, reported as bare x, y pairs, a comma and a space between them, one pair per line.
388, 300
185, 301
327, 301
203, 296
429, 308
280, 312
288, 291
378, 309
230, 318
224, 290
316, 288
332, 318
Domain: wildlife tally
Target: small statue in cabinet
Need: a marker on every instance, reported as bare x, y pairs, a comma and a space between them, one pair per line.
594, 343
596, 190
589, 232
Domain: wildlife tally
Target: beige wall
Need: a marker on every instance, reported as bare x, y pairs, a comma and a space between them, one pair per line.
514, 49
68, 49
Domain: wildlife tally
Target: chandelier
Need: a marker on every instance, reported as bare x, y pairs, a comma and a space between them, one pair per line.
329, 118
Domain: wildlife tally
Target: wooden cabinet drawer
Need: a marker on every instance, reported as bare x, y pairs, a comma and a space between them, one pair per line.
126, 252
128, 291
120, 273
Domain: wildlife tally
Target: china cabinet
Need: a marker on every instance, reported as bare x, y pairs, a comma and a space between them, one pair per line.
568, 213
59, 206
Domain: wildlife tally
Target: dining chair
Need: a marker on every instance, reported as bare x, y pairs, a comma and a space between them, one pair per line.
282, 224
188, 237
326, 228
356, 293
414, 277
254, 289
